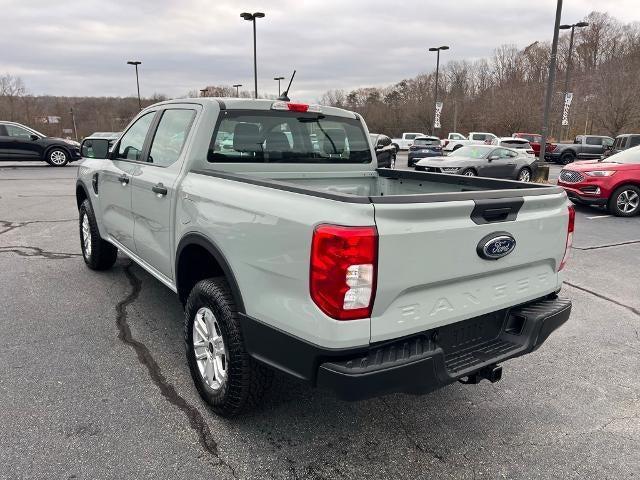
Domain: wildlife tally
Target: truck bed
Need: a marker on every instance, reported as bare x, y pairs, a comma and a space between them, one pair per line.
389, 186
430, 226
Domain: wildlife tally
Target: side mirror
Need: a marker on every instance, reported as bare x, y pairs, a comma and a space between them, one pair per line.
34, 137
493, 157
95, 148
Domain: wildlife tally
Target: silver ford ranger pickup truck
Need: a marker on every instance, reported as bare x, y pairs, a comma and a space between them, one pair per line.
292, 251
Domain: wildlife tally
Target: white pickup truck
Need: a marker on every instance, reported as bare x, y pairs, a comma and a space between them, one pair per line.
292, 251
404, 142
454, 140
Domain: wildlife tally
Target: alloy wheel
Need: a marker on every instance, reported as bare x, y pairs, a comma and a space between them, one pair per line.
58, 157
628, 201
86, 236
524, 176
209, 349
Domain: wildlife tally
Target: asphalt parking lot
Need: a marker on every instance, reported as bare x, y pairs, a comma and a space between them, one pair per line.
94, 383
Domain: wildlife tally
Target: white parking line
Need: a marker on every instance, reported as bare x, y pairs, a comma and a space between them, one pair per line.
598, 216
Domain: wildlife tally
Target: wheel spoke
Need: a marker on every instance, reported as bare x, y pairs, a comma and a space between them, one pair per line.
202, 354
221, 373
200, 328
209, 371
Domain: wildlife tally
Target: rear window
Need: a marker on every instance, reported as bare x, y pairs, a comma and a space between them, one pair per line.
530, 138
630, 155
426, 141
472, 151
287, 137
515, 144
479, 136
634, 141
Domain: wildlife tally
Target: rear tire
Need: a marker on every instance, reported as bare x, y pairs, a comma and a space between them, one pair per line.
98, 254
469, 172
235, 382
567, 158
625, 201
524, 175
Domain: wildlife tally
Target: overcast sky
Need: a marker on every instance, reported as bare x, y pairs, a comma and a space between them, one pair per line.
80, 47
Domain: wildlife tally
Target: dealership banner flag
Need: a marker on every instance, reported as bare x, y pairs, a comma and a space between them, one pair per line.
436, 118
565, 113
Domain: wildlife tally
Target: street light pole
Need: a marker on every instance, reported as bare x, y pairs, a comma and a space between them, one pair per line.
73, 120
278, 79
252, 18
136, 63
237, 87
435, 96
550, 81
566, 77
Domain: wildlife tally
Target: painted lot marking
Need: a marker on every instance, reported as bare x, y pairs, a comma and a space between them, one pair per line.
595, 217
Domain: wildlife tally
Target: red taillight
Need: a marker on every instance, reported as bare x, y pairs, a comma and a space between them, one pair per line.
344, 264
570, 228
298, 107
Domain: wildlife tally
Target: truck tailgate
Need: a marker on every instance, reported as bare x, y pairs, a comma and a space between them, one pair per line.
430, 273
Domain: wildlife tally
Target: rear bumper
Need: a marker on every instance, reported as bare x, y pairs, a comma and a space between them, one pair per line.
417, 364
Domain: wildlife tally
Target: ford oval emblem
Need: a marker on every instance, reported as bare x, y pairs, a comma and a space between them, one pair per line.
496, 245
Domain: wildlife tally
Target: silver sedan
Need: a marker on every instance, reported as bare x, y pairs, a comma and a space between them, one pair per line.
483, 161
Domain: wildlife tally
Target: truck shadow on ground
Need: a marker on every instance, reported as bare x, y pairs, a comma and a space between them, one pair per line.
308, 429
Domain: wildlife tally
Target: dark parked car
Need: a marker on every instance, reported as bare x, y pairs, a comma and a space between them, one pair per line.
19, 142
385, 150
621, 143
584, 147
424, 147
483, 161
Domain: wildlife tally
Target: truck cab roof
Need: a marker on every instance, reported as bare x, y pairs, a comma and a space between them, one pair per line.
229, 103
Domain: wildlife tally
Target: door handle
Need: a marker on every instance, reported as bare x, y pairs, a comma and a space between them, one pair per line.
511, 164
160, 189
123, 179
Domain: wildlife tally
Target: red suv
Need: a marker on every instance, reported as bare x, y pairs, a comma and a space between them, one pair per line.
613, 182
535, 140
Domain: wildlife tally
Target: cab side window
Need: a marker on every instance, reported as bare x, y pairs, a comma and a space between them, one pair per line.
170, 136
594, 141
130, 147
17, 132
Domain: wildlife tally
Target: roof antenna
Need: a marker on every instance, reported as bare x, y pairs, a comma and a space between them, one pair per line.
285, 95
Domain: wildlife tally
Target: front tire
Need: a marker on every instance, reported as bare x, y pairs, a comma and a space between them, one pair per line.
625, 201
226, 377
98, 254
57, 157
469, 172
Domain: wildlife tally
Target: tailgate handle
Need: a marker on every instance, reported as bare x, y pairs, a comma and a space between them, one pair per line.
496, 210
